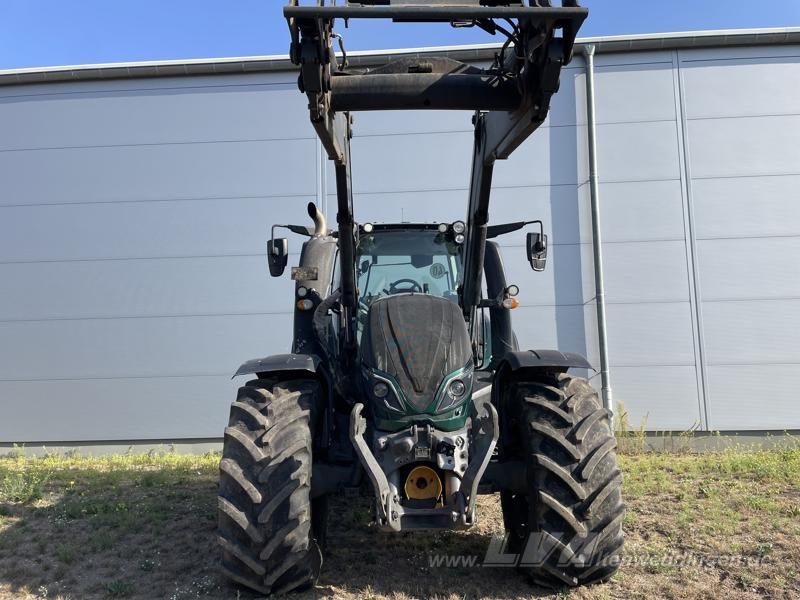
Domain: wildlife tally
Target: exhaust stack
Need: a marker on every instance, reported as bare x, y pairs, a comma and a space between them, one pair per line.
320, 224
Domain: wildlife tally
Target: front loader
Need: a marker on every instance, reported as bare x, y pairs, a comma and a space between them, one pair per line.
405, 375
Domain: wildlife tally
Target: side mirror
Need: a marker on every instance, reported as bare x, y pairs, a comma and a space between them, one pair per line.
277, 255
537, 250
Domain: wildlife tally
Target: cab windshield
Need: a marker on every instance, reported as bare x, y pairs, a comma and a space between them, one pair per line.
395, 262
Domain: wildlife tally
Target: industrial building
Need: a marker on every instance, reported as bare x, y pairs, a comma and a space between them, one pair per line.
137, 198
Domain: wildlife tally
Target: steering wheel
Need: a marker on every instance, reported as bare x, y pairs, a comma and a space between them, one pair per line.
395, 288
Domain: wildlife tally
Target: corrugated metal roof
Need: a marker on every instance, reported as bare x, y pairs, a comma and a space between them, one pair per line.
251, 64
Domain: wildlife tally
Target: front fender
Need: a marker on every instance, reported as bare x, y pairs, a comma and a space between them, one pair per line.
280, 363
544, 359
521, 365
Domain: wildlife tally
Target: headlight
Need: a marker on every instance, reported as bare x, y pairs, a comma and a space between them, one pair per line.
383, 391
456, 389
459, 227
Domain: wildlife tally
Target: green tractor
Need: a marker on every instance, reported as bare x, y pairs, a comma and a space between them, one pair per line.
405, 373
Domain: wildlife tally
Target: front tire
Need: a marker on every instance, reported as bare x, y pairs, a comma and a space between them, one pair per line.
265, 523
570, 522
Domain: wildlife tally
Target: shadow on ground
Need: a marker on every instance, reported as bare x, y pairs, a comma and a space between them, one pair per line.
151, 534
363, 561
111, 535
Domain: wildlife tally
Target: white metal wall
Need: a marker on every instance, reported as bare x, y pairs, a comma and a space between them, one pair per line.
133, 221
742, 112
133, 217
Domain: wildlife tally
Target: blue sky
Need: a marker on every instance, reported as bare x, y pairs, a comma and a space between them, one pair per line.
57, 32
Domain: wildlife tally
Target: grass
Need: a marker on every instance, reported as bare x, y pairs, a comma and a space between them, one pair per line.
23, 486
66, 553
119, 588
142, 526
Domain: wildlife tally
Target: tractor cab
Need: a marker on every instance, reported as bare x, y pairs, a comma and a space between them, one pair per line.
409, 258
415, 352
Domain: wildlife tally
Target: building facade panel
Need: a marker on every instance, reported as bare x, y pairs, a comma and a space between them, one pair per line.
746, 206
158, 172
106, 289
748, 268
409, 122
744, 146
640, 91
123, 113
651, 334
636, 211
643, 272
140, 408
761, 397
143, 229
753, 332
562, 327
662, 399
138, 347
741, 83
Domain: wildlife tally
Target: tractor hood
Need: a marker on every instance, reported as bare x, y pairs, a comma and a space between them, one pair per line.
417, 343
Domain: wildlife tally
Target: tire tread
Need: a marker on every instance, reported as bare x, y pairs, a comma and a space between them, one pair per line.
265, 481
574, 501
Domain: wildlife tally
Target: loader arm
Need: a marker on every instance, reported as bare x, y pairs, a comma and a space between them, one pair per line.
511, 98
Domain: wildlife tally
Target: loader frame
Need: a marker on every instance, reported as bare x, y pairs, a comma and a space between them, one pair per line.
511, 99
